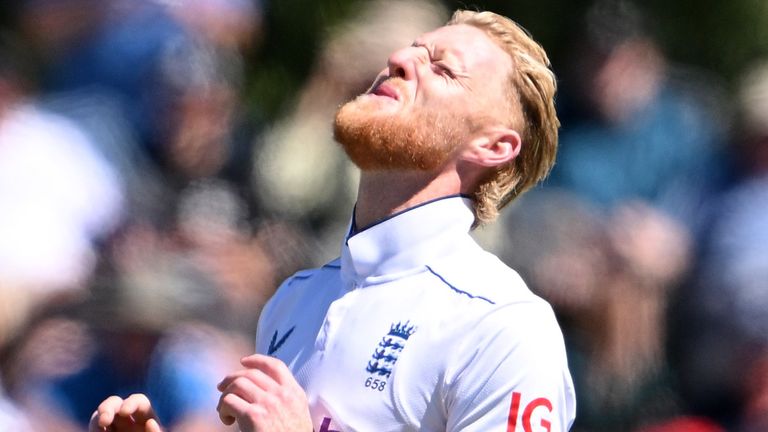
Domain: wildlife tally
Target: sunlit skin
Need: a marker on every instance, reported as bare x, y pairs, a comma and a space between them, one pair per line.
133, 414
456, 69
454, 64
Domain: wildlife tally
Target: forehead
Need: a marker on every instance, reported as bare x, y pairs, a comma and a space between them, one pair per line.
470, 45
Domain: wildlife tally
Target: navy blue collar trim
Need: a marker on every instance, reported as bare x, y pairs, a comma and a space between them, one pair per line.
353, 231
458, 290
353, 226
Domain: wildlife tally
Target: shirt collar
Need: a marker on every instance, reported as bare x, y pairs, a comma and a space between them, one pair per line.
407, 240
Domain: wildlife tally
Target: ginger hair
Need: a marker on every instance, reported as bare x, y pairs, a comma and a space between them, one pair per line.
531, 88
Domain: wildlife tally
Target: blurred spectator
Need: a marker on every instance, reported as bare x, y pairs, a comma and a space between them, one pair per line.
110, 47
152, 87
58, 197
142, 331
608, 238
246, 260
165, 84
170, 312
722, 317
636, 128
229, 24
158, 83
323, 194
58, 194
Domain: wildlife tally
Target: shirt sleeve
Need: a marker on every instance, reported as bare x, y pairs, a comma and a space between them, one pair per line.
265, 317
511, 374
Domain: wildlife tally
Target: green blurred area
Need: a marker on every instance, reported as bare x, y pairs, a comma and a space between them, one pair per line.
722, 37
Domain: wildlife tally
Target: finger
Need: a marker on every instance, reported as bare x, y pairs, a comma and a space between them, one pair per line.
152, 426
245, 390
93, 424
231, 407
272, 367
256, 376
107, 410
137, 406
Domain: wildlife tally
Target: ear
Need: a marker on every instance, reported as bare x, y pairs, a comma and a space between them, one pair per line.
493, 147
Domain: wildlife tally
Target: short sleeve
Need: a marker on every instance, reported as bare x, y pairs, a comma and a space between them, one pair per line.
511, 374
264, 317
284, 293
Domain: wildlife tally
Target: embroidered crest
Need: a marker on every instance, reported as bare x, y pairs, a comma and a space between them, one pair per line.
387, 351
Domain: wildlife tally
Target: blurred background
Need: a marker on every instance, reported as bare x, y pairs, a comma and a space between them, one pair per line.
164, 164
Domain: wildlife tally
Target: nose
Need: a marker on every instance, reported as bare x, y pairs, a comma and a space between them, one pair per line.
402, 63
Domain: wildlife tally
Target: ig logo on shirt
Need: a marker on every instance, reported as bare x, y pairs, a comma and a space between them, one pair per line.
541, 405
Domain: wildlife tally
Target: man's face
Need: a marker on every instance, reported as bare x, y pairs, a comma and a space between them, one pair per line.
428, 102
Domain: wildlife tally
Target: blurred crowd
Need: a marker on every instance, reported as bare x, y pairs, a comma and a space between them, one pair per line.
147, 210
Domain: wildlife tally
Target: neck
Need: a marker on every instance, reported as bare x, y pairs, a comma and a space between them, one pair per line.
384, 193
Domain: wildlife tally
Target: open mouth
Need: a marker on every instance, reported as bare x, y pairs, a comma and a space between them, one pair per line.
386, 90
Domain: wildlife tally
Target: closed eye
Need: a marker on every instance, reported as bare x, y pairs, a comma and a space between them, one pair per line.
443, 69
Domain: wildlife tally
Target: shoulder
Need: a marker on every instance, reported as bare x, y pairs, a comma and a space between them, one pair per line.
490, 302
484, 299
510, 348
481, 275
303, 285
305, 277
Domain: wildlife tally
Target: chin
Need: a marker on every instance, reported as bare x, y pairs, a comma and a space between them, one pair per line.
377, 140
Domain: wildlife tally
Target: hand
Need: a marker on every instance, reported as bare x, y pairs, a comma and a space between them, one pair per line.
264, 397
134, 414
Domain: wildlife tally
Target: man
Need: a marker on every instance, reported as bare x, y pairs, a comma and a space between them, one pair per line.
415, 327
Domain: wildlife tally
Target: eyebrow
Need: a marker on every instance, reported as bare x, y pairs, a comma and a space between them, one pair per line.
431, 49
419, 44
457, 66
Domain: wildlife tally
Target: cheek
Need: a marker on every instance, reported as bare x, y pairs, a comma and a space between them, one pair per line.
447, 96
440, 91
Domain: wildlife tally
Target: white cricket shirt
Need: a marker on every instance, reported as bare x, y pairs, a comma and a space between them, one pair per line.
416, 328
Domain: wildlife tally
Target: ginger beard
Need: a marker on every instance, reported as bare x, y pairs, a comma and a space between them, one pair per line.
411, 138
